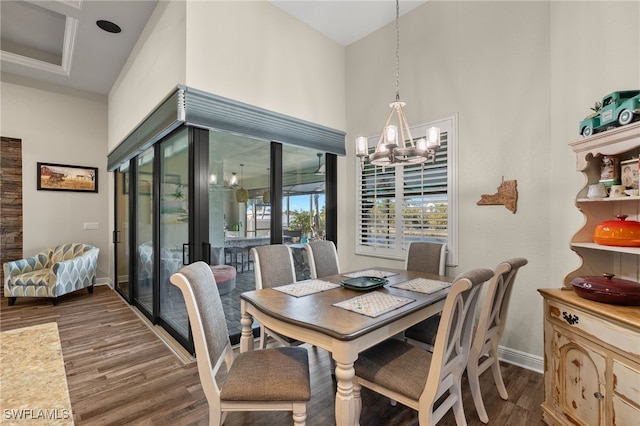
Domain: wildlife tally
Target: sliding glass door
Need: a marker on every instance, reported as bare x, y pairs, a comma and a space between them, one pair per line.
174, 220
143, 290
122, 231
205, 195
160, 211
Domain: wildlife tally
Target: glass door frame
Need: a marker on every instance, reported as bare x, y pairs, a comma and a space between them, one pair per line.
117, 237
199, 247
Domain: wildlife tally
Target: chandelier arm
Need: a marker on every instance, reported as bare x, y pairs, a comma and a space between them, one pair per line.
405, 124
402, 135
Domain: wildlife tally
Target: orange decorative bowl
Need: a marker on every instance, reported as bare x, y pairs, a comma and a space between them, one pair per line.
621, 232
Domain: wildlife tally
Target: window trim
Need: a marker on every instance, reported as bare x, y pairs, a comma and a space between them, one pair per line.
447, 124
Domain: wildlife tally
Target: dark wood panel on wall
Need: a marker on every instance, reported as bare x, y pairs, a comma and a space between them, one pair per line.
10, 201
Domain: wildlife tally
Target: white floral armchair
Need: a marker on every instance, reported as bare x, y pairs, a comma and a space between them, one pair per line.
52, 272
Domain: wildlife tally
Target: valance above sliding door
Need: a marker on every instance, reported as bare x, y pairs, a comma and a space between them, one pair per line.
200, 109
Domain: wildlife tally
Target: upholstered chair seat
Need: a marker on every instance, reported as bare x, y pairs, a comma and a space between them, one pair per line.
270, 382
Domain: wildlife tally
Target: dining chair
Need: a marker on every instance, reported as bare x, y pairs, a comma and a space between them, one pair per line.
275, 379
273, 266
418, 378
426, 257
491, 322
430, 258
323, 258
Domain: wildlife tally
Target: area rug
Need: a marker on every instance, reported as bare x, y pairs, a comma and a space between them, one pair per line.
32, 374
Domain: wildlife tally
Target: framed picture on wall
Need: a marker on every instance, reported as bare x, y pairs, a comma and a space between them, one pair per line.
63, 177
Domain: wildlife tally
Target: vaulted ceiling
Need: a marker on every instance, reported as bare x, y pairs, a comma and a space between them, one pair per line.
58, 41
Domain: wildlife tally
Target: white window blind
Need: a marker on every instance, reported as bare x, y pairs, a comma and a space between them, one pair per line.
397, 205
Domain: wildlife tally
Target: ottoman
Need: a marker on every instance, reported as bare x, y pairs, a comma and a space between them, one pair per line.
225, 276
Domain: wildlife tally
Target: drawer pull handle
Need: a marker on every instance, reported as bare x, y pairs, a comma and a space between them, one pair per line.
598, 395
571, 319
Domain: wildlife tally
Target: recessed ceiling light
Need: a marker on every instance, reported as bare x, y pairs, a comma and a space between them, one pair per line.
108, 26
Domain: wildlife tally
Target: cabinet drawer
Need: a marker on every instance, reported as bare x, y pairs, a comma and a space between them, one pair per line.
594, 328
626, 382
625, 413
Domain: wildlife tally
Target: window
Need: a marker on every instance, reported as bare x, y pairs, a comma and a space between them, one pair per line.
397, 205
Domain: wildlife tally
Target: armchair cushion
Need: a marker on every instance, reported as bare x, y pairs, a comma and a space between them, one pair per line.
52, 272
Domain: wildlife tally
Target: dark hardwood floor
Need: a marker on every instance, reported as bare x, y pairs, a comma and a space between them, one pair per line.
119, 372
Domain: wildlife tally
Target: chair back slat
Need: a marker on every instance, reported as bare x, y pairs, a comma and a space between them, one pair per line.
493, 313
491, 322
323, 259
205, 310
273, 266
426, 257
453, 339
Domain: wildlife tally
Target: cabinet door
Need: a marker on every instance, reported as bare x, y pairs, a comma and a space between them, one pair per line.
581, 382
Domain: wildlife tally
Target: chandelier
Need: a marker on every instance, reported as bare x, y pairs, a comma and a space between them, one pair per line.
242, 195
396, 146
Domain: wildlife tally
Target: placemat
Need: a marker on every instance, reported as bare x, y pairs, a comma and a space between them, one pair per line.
371, 273
374, 303
422, 285
306, 287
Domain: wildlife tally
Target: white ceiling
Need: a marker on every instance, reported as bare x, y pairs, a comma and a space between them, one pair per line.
57, 41
346, 21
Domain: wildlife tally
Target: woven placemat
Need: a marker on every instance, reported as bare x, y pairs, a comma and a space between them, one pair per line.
307, 287
374, 303
422, 285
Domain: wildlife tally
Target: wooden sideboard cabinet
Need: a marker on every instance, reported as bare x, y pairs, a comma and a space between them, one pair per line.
591, 349
592, 361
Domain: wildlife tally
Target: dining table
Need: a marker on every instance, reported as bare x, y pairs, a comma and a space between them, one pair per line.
344, 319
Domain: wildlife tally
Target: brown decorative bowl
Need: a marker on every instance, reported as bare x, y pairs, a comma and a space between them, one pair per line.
621, 232
606, 289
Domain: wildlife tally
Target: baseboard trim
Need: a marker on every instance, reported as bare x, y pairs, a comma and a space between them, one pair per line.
521, 359
103, 281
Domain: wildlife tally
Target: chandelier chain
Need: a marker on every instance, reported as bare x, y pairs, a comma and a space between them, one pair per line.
397, 50
396, 146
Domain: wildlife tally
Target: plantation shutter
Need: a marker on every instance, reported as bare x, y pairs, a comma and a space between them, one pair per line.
398, 205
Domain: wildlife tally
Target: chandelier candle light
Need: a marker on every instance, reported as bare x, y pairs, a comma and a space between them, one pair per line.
395, 149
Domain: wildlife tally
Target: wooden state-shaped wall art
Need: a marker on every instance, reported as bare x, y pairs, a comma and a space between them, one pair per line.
507, 196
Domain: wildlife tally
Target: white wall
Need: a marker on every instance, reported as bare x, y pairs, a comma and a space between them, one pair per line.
155, 67
521, 75
253, 52
249, 51
64, 127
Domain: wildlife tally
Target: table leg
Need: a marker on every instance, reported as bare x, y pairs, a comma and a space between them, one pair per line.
347, 410
246, 337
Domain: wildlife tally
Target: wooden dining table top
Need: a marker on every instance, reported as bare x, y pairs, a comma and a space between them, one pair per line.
316, 311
